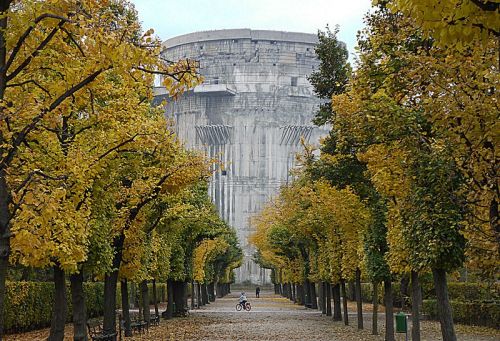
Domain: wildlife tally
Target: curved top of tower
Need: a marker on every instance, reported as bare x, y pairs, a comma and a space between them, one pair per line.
243, 33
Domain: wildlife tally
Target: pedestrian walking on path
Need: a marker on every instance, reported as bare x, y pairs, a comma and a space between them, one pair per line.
257, 292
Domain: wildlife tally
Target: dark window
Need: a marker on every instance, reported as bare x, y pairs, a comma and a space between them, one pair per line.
294, 81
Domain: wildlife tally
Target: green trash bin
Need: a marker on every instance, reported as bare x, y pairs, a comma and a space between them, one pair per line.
401, 323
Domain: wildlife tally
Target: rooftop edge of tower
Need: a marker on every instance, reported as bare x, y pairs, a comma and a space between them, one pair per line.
243, 33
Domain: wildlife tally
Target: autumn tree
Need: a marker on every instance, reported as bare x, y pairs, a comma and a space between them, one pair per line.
339, 164
398, 141
457, 79
312, 232
455, 24
51, 53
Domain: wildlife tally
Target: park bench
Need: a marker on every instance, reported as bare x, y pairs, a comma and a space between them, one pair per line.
154, 320
138, 324
96, 331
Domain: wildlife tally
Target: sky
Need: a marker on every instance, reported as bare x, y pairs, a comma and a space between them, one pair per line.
170, 18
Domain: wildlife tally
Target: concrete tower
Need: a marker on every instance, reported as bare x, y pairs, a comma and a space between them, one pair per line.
251, 112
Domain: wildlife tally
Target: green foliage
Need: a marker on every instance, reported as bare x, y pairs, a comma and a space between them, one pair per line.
333, 73
433, 220
457, 291
471, 313
469, 292
29, 304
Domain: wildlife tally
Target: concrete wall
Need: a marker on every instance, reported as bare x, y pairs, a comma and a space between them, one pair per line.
251, 113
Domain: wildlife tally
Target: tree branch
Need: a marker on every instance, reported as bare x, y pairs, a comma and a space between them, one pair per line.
27, 82
25, 35
19, 138
121, 144
174, 75
70, 36
35, 53
41, 174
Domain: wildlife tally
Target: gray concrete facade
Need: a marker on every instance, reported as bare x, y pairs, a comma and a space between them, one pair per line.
251, 112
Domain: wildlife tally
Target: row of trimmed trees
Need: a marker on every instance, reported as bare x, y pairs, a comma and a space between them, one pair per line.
93, 181
407, 180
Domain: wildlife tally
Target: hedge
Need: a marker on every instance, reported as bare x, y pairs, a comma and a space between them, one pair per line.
470, 313
28, 305
465, 291
472, 303
457, 291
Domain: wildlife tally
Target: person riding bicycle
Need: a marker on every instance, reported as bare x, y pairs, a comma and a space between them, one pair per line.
243, 300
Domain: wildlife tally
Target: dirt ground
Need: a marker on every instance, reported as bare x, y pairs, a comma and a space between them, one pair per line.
273, 318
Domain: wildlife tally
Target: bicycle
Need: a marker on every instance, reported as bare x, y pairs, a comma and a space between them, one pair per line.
246, 306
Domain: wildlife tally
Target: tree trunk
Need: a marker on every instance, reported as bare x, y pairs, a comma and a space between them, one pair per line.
211, 292
199, 299
145, 301
337, 314
321, 296
60, 306
179, 297
155, 298
4, 264
328, 290
125, 307
389, 311
220, 294
375, 309
307, 293
79, 309
359, 302
170, 301
204, 294
110, 282
416, 297
314, 299
344, 302
443, 304
192, 294
301, 299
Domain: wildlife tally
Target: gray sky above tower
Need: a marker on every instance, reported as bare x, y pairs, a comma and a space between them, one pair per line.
172, 18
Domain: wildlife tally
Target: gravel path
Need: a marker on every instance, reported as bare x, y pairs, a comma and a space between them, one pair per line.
273, 318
